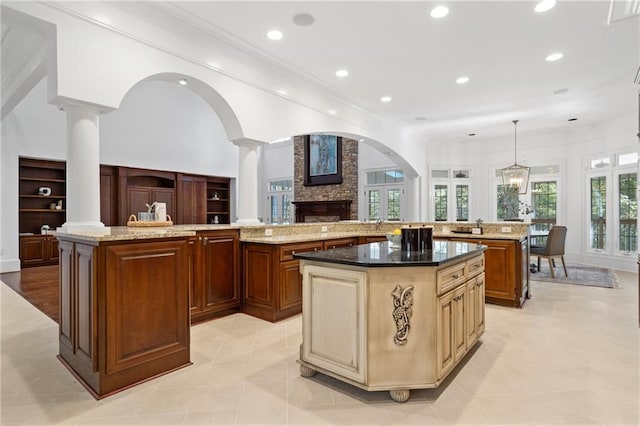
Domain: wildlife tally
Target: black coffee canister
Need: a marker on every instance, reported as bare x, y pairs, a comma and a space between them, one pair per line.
410, 239
426, 238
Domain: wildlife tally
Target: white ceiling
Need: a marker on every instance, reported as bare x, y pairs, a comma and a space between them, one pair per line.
395, 48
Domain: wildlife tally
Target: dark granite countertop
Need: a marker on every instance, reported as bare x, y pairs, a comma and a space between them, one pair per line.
382, 255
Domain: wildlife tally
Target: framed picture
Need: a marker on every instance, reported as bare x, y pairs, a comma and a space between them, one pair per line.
322, 160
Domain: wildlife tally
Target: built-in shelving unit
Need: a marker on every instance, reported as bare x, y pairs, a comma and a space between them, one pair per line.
37, 178
35, 209
218, 200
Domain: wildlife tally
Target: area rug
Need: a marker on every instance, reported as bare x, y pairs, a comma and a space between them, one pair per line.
578, 274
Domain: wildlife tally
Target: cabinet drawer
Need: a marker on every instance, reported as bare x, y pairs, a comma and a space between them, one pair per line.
474, 266
450, 277
342, 242
287, 251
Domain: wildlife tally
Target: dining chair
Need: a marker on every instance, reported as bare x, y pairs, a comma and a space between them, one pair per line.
554, 248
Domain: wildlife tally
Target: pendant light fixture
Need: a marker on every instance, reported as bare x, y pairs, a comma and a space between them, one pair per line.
516, 176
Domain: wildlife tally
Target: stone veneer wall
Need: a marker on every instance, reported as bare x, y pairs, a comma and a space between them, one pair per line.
347, 190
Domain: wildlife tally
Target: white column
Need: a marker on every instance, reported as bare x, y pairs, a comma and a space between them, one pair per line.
83, 169
247, 190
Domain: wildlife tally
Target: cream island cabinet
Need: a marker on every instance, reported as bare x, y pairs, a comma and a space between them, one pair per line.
381, 319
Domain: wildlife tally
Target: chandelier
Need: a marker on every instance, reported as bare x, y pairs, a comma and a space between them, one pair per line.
516, 176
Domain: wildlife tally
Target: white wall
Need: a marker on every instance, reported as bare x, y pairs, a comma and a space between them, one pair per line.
166, 126
570, 149
159, 126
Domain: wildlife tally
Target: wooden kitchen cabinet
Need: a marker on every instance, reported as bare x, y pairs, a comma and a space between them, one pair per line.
38, 250
214, 274
272, 283
192, 203
124, 315
506, 270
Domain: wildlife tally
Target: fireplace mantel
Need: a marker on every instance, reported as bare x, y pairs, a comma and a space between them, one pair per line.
311, 211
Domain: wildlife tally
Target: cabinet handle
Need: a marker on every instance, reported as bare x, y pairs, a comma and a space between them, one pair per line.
316, 248
293, 252
205, 241
455, 277
199, 238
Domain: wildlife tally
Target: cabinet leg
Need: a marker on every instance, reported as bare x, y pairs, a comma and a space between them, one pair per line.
400, 395
306, 371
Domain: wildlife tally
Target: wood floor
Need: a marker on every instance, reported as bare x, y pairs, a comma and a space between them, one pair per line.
39, 286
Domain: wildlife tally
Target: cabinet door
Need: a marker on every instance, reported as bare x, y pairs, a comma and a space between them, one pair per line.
167, 196
333, 324
194, 268
32, 250
459, 323
258, 272
137, 198
220, 289
192, 194
291, 285
471, 302
51, 248
500, 264
479, 302
451, 335
444, 334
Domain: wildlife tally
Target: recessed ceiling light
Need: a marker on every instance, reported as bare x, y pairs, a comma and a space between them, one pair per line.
554, 56
361, 140
545, 5
183, 81
572, 119
331, 111
303, 19
420, 118
472, 134
462, 80
560, 91
342, 73
439, 12
385, 99
282, 92
274, 35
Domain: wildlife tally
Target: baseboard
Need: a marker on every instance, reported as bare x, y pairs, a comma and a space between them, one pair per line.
12, 265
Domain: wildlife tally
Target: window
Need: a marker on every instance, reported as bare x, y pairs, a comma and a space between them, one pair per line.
627, 212
612, 185
598, 196
539, 204
441, 202
384, 191
544, 204
508, 202
462, 202
279, 197
451, 195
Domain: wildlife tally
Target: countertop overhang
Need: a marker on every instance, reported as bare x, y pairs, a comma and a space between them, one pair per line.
381, 254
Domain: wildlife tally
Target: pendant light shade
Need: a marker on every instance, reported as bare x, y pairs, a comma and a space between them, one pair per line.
516, 176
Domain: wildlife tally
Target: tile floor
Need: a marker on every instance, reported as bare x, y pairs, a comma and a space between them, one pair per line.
571, 356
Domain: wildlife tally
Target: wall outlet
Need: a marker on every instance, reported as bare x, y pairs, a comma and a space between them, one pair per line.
323, 229
506, 229
268, 232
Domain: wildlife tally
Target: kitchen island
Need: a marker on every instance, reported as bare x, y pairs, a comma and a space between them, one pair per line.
124, 305
382, 319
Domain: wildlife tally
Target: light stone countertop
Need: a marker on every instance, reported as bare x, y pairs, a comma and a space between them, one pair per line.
282, 234
123, 233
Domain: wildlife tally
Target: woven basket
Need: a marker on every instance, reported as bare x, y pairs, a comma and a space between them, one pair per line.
133, 221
